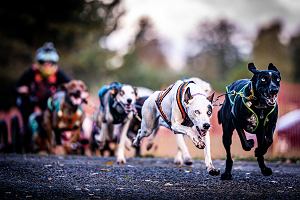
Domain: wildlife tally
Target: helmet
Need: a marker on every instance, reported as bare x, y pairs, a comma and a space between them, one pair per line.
47, 53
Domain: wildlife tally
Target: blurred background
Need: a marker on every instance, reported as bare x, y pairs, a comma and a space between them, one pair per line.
152, 43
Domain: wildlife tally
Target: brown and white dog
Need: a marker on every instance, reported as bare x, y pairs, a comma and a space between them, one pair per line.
63, 119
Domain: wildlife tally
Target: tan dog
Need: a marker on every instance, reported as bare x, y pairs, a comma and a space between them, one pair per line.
63, 119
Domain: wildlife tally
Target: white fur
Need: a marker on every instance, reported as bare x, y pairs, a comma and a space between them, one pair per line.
106, 119
151, 115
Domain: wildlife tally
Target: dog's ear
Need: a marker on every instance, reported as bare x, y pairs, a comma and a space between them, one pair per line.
135, 91
211, 97
252, 68
187, 95
272, 67
65, 86
114, 92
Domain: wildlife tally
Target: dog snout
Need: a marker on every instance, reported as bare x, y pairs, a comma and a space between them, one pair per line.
129, 101
274, 91
206, 126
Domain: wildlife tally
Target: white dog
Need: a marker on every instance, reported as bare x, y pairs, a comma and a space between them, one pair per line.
117, 111
186, 109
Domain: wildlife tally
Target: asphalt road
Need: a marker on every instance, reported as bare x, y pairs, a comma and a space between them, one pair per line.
76, 177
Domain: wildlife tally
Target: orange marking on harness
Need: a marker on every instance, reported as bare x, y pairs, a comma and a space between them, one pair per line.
178, 99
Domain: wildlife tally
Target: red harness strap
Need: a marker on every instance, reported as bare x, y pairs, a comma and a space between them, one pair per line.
186, 120
158, 101
161, 96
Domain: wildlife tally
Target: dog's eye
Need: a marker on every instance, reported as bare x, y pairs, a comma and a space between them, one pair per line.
197, 112
278, 79
122, 92
263, 79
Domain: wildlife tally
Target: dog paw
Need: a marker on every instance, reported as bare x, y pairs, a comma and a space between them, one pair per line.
266, 171
249, 145
178, 162
200, 145
136, 142
226, 176
214, 172
188, 161
101, 145
121, 161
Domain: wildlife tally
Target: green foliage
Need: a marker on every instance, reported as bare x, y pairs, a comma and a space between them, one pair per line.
137, 73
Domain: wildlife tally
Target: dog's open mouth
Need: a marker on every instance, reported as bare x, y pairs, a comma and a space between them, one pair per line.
128, 108
202, 132
270, 99
76, 101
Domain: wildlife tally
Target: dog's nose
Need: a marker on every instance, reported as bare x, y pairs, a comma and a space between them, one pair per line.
274, 91
129, 101
206, 126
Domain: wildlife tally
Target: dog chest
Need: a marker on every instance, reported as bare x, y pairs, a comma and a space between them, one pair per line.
251, 123
69, 119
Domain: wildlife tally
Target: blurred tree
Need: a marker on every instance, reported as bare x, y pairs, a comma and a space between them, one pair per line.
268, 49
215, 54
295, 53
145, 64
74, 26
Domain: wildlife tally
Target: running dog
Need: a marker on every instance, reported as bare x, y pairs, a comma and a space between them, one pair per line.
251, 105
115, 115
64, 116
184, 108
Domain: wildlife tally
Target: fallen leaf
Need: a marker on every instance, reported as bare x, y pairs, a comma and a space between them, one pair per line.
109, 163
105, 170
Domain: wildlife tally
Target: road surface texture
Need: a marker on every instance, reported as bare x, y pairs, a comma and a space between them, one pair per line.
78, 177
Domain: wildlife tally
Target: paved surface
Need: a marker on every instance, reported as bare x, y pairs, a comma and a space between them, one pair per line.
76, 177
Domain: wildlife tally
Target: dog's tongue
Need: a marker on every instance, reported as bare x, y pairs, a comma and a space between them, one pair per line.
76, 101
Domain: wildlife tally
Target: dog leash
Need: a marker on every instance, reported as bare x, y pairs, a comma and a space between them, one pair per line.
234, 93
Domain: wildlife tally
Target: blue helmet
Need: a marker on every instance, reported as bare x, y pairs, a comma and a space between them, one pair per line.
47, 53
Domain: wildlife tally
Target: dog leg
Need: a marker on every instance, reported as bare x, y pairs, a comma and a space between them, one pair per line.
150, 119
178, 158
246, 144
208, 162
183, 151
151, 140
121, 147
227, 141
259, 153
103, 135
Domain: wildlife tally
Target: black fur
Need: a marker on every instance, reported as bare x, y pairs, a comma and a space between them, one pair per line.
259, 95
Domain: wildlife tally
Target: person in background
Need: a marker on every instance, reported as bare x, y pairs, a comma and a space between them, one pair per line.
36, 85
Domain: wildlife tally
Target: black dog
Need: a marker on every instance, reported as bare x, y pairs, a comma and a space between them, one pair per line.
251, 105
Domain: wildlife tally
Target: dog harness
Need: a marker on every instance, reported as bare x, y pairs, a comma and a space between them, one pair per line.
66, 119
186, 120
232, 95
